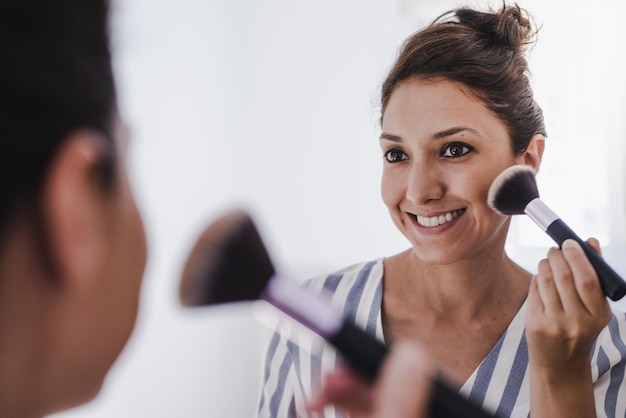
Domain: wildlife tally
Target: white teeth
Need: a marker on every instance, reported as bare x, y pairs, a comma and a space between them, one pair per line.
438, 220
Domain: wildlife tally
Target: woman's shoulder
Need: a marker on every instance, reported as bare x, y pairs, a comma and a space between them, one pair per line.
349, 275
356, 290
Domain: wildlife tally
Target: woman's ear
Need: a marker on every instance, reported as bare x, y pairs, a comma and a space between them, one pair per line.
74, 207
534, 151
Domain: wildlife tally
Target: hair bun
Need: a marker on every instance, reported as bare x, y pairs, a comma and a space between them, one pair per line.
510, 26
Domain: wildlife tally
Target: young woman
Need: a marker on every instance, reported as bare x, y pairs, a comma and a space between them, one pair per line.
457, 109
72, 244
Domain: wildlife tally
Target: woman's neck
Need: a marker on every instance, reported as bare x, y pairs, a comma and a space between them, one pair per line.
468, 289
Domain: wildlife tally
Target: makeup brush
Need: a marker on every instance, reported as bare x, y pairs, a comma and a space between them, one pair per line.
229, 263
515, 192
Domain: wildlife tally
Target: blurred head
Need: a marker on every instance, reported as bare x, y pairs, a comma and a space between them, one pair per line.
483, 51
72, 243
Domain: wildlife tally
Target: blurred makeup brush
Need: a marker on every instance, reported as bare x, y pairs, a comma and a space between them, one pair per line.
229, 263
515, 192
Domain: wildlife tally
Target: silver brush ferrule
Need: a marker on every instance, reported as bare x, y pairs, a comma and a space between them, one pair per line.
540, 213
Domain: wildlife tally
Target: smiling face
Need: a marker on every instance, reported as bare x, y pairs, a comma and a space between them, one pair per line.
442, 148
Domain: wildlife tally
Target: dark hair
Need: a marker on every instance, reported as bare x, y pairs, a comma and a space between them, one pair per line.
483, 51
55, 77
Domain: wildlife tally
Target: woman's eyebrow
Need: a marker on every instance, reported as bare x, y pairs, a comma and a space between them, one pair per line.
452, 131
439, 135
390, 137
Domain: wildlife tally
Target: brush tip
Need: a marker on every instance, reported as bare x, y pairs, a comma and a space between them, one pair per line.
228, 263
513, 189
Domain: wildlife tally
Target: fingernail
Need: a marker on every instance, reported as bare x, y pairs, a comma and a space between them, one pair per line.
569, 243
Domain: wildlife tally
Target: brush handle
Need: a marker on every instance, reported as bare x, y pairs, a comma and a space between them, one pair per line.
365, 354
612, 284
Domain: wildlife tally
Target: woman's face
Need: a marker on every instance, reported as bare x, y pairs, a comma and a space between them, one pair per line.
442, 148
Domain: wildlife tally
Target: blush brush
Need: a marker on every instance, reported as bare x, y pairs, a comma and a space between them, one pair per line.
229, 263
514, 192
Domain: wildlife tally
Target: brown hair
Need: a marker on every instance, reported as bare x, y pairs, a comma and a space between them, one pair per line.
483, 51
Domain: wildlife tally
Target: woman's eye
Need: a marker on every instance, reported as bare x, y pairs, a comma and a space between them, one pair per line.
395, 155
455, 150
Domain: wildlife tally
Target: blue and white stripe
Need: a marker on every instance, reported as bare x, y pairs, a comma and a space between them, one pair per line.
297, 360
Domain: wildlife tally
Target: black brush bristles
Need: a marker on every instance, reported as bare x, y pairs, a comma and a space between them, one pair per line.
513, 189
228, 263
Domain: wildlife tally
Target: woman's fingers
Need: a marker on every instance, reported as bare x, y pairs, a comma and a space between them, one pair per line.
565, 276
345, 390
566, 281
586, 280
405, 386
547, 290
401, 390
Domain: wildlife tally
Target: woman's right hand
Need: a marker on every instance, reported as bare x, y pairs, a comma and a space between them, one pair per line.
566, 309
566, 312
402, 389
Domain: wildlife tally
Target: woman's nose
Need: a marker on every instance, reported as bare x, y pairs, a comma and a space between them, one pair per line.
425, 182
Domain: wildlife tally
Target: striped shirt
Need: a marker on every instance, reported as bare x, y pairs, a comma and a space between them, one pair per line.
296, 361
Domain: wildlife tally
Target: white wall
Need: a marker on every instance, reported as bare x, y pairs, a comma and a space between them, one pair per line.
272, 105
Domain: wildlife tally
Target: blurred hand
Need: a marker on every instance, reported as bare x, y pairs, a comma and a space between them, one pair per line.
401, 391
